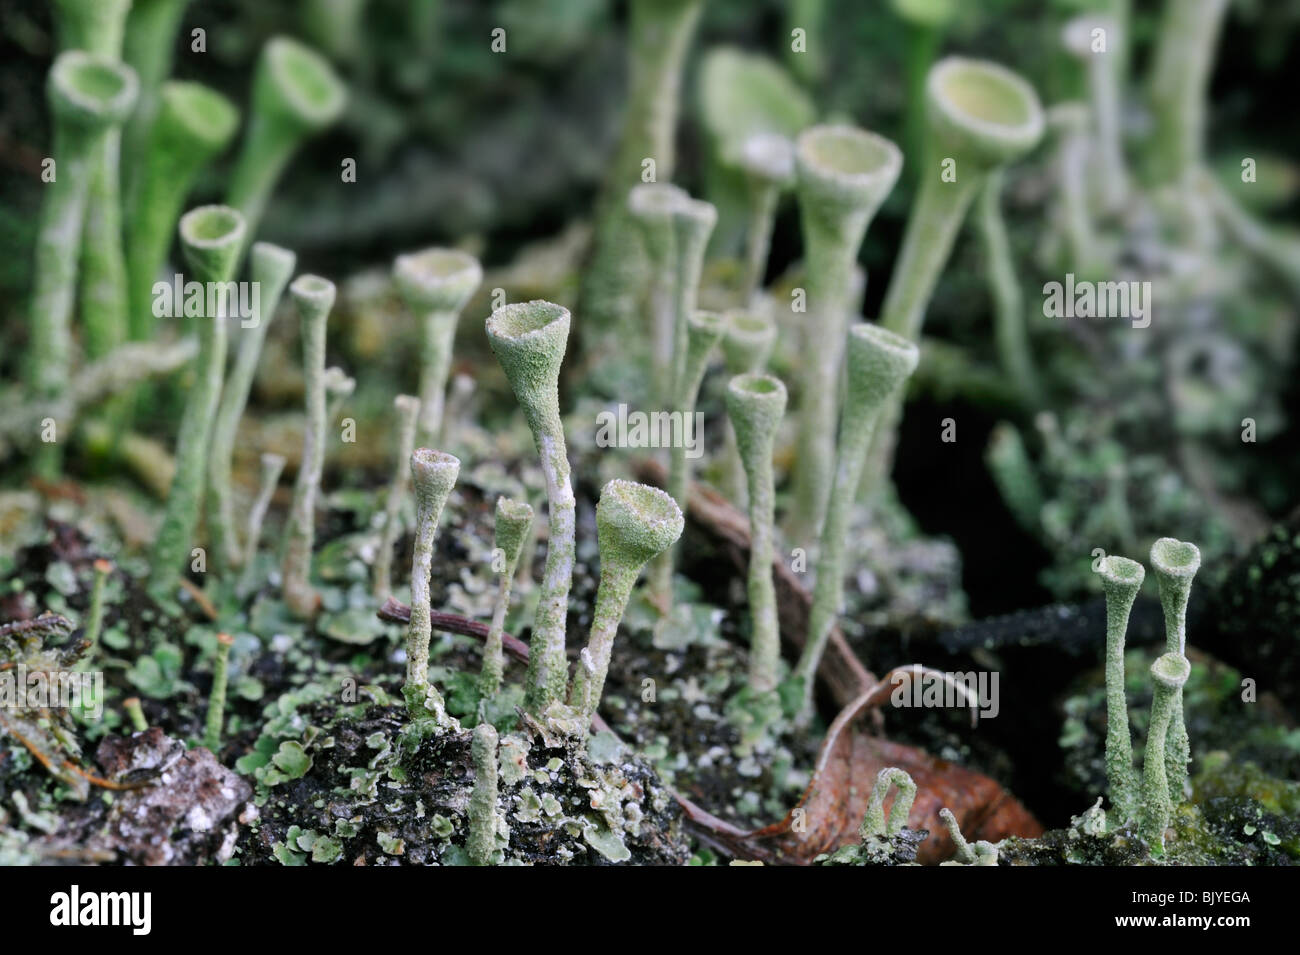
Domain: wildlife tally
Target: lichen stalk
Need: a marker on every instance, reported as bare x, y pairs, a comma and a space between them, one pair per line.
482, 843
408, 415
746, 346
878, 363
314, 297
1180, 77
634, 523
88, 96
212, 238
873, 820
767, 160
1103, 68
650, 207
514, 522
843, 175
693, 222
150, 40
216, 719
755, 405
135, 713
1175, 564
95, 613
1121, 579
703, 332
659, 32
193, 124
296, 93
272, 466
1009, 332
434, 474
271, 268
981, 853
435, 284
529, 340
1168, 674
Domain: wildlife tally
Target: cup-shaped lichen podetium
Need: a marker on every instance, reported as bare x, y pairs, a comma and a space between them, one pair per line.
212, 238
314, 297
767, 160
434, 474
703, 332
1175, 563
756, 405
634, 524
435, 284
514, 521
650, 206
1097, 41
408, 413
148, 46
271, 268
529, 339
272, 465
88, 96
878, 363
693, 222
843, 175
482, 841
295, 94
1121, 579
746, 346
1168, 674
979, 115
193, 124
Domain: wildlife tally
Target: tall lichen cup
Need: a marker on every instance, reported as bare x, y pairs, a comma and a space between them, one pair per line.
843, 175
756, 405
193, 124
650, 207
212, 238
1168, 674
634, 523
1175, 563
746, 346
271, 268
88, 96
434, 474
314, 297
767, 160
408, 414
1121, 579
529, 340
979, 116
878, 361
295, 94
436, 284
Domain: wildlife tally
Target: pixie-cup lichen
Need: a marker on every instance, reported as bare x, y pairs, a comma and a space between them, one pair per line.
634, 523
746, 345
767, 160
212, 238
481, 844
88, 96
756, 405
1175, 563
513, 523
843, 175
878, 362
529, 339
408, 416
434, 474
217, 698
703, 332
193, 125
148, 47
1168, 674
650, 207
314, 297
271, 268
979, 116
295, 94
272, 466
1121, 579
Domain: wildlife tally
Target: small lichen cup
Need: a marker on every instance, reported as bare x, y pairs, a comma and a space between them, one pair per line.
1168, 675
634, 524
1175, 564
436, 284
1121, 579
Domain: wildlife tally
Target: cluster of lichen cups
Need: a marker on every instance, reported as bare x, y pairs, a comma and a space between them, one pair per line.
1151, 804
